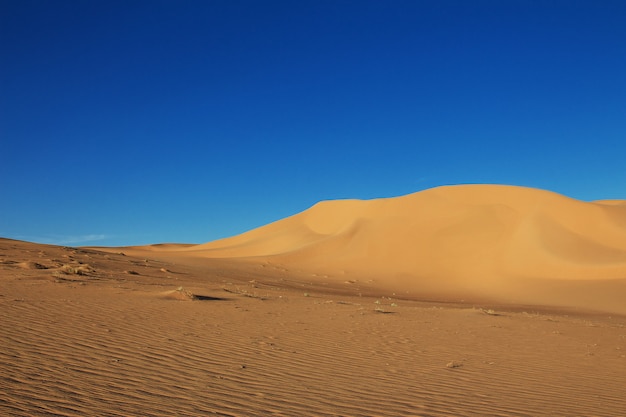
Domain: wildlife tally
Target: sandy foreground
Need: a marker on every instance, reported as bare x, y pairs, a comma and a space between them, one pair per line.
339, 310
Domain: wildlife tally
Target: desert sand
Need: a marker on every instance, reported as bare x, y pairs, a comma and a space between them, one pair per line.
474, 300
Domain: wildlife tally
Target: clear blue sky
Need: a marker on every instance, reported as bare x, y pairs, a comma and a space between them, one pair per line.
133, 122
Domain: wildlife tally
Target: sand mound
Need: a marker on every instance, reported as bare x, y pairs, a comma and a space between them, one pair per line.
180, 294
31, 265
471, 240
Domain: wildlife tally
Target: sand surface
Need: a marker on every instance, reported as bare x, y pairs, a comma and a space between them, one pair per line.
456, 301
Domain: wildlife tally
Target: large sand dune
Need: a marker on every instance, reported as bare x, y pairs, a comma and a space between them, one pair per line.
505, 243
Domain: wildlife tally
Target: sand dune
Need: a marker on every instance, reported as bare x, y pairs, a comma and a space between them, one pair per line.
504, 243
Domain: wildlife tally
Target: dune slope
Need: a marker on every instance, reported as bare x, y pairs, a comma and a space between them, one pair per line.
500, 242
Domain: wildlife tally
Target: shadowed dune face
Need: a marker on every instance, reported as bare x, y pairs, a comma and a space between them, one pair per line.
478, 240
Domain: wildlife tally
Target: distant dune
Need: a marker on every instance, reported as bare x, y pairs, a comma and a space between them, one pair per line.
507, 243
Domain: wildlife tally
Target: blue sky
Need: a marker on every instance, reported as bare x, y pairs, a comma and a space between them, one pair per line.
141, 122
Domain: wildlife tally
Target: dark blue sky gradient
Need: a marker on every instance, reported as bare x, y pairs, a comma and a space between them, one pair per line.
142, 122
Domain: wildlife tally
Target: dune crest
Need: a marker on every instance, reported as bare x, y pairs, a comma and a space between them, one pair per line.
482, 240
